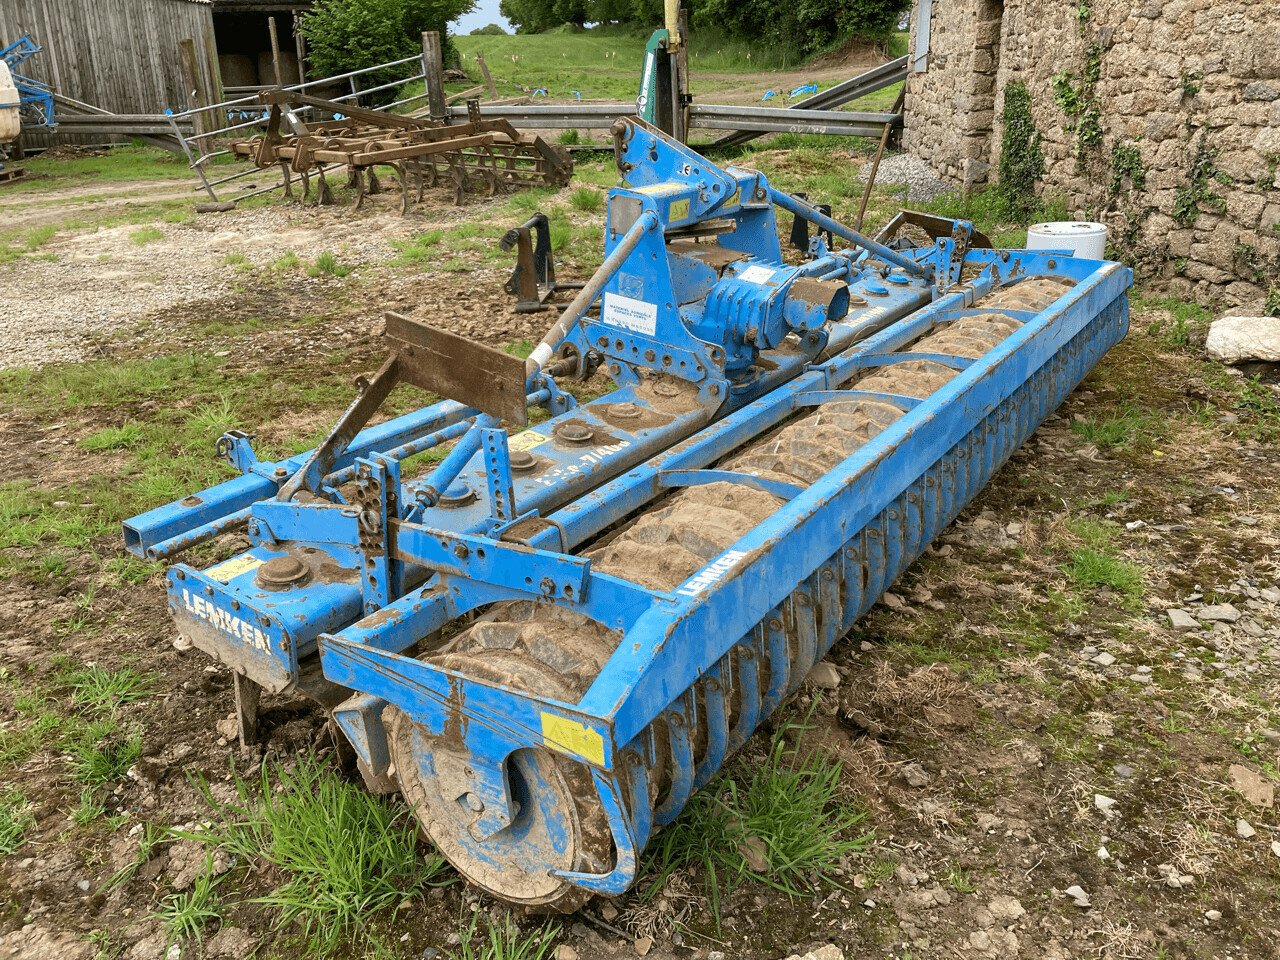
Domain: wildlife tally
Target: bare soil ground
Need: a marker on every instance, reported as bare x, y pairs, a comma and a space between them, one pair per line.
1018, 719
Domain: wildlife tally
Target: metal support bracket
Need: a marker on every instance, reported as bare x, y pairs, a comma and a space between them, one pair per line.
483, 559
816, 398
235, 447
497, 472
377, 494
696, 478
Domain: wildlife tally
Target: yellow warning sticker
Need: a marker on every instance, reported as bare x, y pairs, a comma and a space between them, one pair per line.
657, 188
228, 570
679, 210
571, 737
526, 440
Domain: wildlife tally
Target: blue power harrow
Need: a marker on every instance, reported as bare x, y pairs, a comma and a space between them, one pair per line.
555, 635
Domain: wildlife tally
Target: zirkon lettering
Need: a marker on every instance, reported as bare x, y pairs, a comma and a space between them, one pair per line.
710, 574
242, 630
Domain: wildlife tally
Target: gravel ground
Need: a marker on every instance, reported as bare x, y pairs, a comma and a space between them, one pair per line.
105, 281
917, 176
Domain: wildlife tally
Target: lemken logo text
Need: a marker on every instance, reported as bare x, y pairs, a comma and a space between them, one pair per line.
710, 574
242, 630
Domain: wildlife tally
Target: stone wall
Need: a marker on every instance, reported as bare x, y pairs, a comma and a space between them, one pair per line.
1161, 118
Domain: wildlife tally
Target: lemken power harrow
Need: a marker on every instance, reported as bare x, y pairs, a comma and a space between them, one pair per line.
552, 638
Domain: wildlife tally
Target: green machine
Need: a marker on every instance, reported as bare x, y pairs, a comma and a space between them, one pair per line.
663, 92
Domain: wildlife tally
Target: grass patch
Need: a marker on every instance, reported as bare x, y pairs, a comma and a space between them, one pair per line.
102, 690
1093, 568
118, 164
113, 438
90, 808
504, 941
1092, 561
145, 235
785, 826
286, 262
102, 755
327, 265
418, 250
960, 881
586, 199
1184, 318
343, 853
15, 820
1128, 427
605, 62
186, 914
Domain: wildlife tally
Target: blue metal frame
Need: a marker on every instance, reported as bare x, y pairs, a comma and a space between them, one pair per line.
35, 98
397, 561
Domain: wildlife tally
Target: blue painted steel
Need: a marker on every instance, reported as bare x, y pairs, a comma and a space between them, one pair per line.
35, 99
697, 667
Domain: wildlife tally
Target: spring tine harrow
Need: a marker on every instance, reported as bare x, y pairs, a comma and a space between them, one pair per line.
488, 155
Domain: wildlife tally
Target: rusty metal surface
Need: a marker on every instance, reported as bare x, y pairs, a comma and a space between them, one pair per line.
933, 226
443, 363
486, 156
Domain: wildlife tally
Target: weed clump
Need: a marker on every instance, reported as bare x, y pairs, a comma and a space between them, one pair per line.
327, 265
785, 826
586, 199
15, 821
344, 853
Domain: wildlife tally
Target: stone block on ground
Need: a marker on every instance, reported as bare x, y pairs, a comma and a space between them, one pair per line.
1244, 339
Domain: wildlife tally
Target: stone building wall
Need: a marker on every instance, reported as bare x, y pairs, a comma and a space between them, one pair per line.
1161, 118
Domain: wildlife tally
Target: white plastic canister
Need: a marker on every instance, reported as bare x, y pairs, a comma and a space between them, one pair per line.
10, 125
1083, 239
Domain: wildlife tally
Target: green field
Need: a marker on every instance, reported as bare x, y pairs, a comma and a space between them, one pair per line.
604, 63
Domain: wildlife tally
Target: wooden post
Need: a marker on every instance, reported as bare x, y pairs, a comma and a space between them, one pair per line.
488, 77
680, 86
275, 50
875, 162
300, 44
191, 79
433, 71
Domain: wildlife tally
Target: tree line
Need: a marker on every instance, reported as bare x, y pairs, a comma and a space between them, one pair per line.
807, 26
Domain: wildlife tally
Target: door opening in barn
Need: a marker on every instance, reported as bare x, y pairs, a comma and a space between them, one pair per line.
243, 34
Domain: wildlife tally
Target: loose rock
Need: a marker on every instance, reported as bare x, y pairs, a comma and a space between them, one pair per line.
915, 775
1244, 339
1078, 896
1220, 613
825, 676
1254, 787
1182, 621
829, 952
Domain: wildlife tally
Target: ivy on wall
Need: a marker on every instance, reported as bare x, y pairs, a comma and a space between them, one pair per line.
1127, 166
1077, 97
1021, 156
1197, 195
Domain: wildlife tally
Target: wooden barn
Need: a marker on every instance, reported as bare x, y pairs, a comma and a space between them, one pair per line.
123, 56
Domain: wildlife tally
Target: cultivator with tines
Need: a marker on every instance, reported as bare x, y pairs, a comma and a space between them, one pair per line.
554, 636
480, 156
